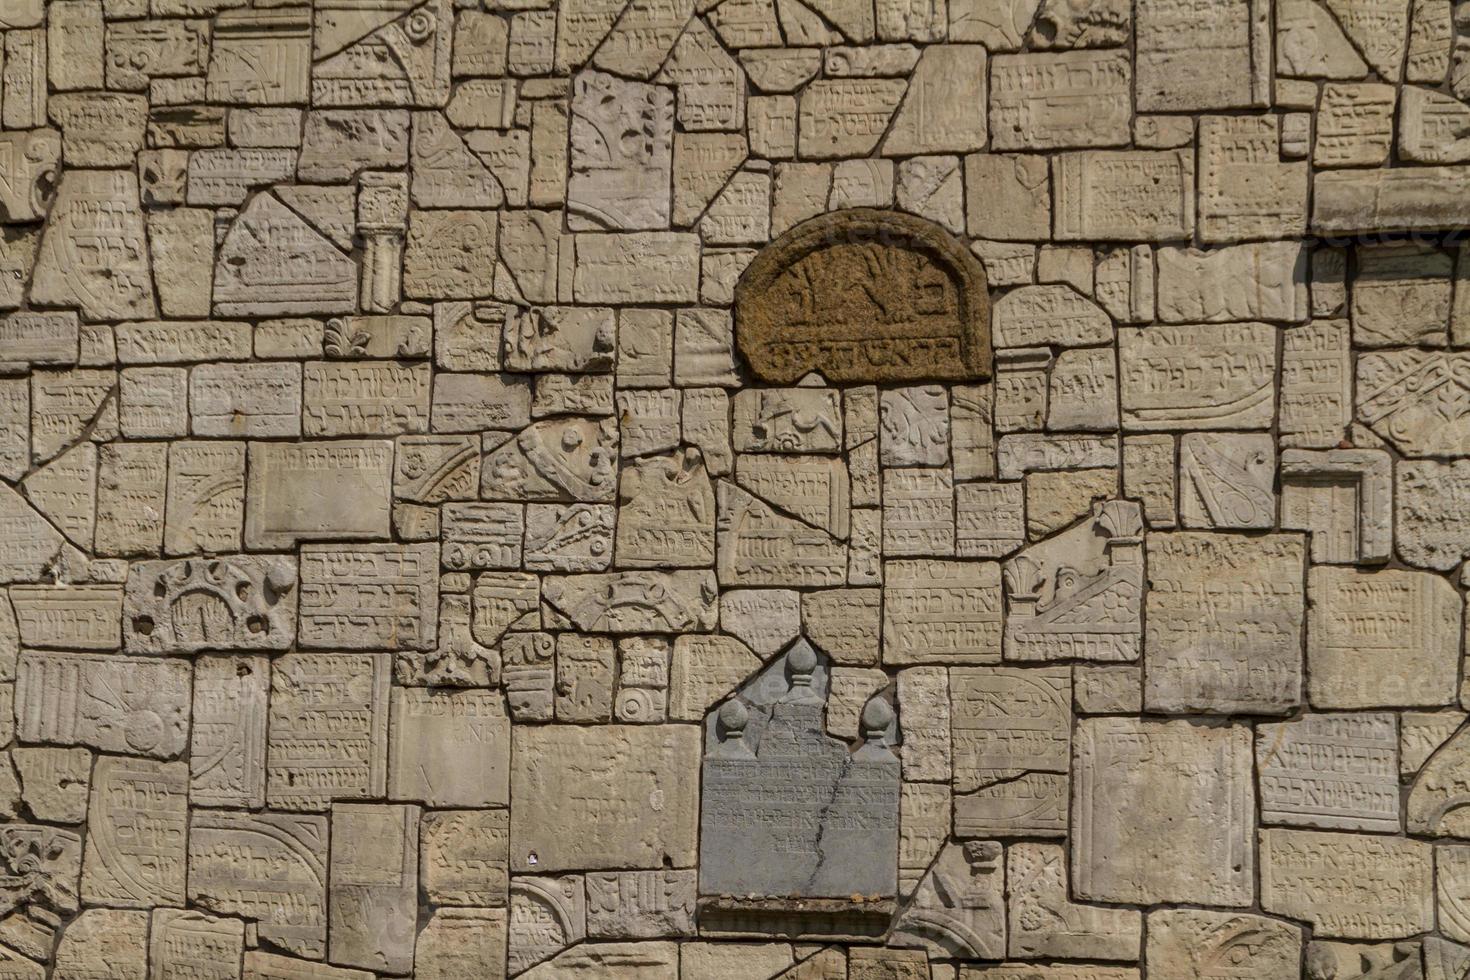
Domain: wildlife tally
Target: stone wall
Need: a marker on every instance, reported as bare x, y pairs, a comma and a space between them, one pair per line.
734, 489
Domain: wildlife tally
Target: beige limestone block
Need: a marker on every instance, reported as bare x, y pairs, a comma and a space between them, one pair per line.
1044, 922
1432, 513
1192, 58
612, 961
733, 961
54, 781
1123, 195
1234, 645
461, 944
846, 117
373, 886
1330, 770
1061, 100
647, 810
104, 942
1122, 854
1246, 189
137, 827
1349, 886
1381, 639
1190, 944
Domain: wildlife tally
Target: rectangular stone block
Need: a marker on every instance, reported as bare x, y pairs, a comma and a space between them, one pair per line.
373, 886
637, 803
304, 491
1348, 886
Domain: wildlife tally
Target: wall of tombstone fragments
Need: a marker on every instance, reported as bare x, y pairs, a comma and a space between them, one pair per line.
734, 489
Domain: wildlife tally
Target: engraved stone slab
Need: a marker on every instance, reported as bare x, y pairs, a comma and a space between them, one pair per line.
1060, 100
228, 741
1226, 480
812, 301
136, 828
635, 602
369, 596
944, 612
1224, 620
1381, 638
637, 806
1078, 594
270, 868
373, 886
465, 857
136, 705
328, 729
188, 943
546, 916
1125, 195
1192, 841
1012, 738
1432, 513
233, 602
1416, 399
1045, 921
316, 491
1194, 944
449, 749
1193, 59
1335, 771
640, 904
1351, 886
1191, 377
787, 812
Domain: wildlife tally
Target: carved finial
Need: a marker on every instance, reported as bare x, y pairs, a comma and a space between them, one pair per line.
801, 662
876, 717
1023, 577
734, 716
1119, 518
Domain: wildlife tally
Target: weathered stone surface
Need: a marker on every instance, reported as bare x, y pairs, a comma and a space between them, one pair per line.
328, 729
1068, 99
1190, 59
137, 826
372, 886
1432, 513
1118, 853
104, 942
1012, 736
771, 736
1330, 770
135, 705
1235, 364
1193, 944
1045, 922
796, 312
946, 612
1360, 619
646, 808
1350, 886
547, 915
1231, 644
1124, 195
269, 868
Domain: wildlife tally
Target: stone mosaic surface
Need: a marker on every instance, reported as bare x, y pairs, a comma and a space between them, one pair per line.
734, 489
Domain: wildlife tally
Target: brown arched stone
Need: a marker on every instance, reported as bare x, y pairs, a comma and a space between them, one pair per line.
865, 295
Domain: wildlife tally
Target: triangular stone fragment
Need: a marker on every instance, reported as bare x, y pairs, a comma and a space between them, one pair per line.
32, 545
802, 25
340, 23
94, 250
65, 491
1310, 44
272, 263
581, 25
703, 163
1378, 29
643, 37
330, 210
854, 18
445, 173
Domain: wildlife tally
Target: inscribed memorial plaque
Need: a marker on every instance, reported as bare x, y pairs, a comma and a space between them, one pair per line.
864, 295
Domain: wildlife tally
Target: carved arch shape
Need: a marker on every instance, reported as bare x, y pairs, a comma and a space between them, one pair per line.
864, 295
